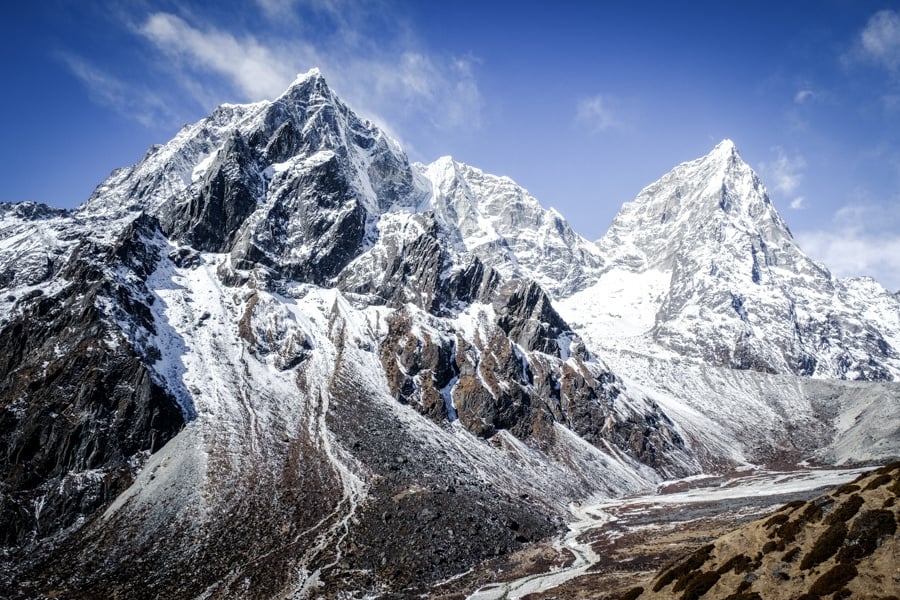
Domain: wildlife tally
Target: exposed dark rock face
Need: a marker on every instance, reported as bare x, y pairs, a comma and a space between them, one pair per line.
413, 265
79, 412
312, 228
474, 282
310, 119
31, 211
527, 316
408, 268
213, 211
265, 529
493, 391
419, 369
31, 260
517, 377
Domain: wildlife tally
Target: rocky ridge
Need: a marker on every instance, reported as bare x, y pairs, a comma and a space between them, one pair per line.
502, 224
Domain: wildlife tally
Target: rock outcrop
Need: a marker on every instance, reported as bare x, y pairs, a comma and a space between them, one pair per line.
79, 409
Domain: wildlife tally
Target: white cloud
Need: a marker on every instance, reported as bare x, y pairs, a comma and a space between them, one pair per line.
597, 113
392, 81
785, 172
879, 42
445, 93
804, 96
854, 254
798, 203
105, 89
255, 69
860, 242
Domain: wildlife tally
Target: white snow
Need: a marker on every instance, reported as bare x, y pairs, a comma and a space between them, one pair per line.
202, 166
502, 224
622, 305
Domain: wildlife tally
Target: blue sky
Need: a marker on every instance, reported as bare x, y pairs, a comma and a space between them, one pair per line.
583, 103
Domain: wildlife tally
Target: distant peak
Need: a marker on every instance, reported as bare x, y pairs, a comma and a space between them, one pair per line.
725, 145
445, 161
310, 82
449, 166
724, 149
313, 73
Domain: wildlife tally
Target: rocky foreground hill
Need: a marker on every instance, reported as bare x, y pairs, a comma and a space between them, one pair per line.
843, 544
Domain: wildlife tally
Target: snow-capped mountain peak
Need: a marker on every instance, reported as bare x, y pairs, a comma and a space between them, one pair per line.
709, 202
312, 73
701, 264
307, 118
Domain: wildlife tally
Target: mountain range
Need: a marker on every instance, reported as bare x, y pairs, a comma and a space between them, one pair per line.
275, 358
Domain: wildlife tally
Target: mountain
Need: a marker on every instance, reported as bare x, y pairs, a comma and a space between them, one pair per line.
505, 227
707, 304
276, 359
709, 271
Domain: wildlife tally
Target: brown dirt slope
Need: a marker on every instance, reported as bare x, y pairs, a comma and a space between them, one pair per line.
844, 544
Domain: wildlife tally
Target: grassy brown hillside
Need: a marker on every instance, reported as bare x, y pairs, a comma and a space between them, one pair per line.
844, 544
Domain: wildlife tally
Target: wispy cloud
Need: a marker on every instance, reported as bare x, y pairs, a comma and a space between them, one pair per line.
878, 43
391, 80
880, 40
804, 96
798, 203
445, 92
860, 242
785, 172
256, 70
597, 113
105, 89
278, 9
